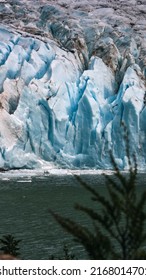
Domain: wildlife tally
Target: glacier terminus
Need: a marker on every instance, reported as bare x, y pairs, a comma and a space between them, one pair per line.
71, 72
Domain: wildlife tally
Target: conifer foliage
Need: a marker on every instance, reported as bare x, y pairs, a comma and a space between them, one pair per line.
119, 229
10, 245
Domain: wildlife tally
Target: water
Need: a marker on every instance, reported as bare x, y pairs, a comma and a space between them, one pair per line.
24, 211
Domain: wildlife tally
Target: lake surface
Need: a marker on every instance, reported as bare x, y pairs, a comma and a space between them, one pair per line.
24, 210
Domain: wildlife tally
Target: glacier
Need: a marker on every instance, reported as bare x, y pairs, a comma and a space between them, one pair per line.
71, 73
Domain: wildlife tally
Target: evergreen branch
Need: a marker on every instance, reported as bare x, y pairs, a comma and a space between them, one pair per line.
106, 221
84, 236
97, 197
113, 184
72, 227
118, 173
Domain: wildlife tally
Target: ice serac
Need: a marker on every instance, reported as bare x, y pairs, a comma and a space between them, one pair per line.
71, 74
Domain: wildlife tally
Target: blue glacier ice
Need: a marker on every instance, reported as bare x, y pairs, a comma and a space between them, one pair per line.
68, 82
